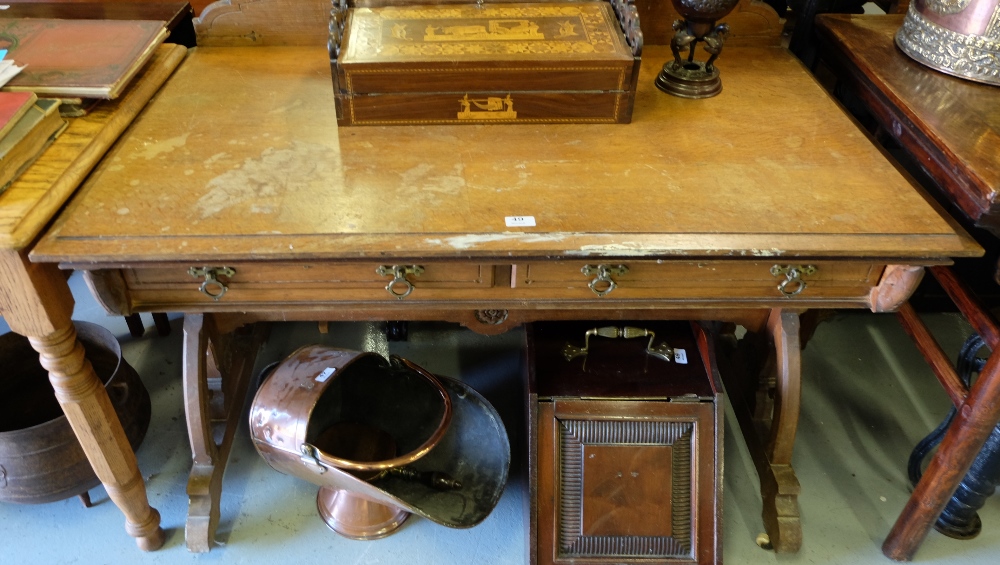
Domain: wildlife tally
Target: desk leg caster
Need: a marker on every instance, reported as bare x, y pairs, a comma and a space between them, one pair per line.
217, 370
767, 409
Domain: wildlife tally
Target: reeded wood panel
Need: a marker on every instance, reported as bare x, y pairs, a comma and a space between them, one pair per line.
625, 489
622, 481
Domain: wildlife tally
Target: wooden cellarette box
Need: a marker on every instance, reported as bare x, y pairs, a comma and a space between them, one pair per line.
625, 444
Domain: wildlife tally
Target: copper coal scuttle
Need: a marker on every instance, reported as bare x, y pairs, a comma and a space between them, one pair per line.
382, 439
958, 37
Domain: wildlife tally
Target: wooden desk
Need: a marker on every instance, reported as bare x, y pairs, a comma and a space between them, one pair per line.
36, 302
239, 164
952, 128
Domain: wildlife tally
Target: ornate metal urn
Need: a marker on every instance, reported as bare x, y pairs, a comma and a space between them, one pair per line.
958, 37
684, 76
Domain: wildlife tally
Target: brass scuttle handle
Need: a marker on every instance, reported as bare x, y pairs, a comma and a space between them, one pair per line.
793, 283
662, 351
603, 284
212, 287
399, 286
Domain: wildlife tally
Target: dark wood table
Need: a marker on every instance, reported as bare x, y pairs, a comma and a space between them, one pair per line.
950, 128
950, 125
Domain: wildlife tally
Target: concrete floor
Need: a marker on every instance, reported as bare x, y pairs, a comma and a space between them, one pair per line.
867, 398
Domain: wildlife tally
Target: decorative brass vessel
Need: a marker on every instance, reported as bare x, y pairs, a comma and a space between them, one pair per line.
381, 439
688, 78
957, 37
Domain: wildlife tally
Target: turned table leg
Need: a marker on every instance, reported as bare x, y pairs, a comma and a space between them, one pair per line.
217, 369
37, 303
978, 414
769, 428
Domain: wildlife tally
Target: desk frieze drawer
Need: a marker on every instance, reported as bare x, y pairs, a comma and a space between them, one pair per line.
305, 282
792, 279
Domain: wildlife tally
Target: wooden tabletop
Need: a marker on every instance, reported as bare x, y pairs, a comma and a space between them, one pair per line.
956, 122
240, 157
31, 201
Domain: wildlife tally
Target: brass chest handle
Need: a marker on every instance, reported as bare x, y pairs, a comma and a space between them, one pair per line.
398, 274
663, 350
212, 287
603, 284
793, 283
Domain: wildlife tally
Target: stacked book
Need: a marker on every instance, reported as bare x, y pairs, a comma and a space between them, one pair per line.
28, 125
55, 68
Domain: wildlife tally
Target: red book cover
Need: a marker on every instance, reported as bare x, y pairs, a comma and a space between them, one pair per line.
13, 105
78, 58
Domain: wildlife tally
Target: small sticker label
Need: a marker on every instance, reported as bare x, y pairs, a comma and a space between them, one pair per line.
326, 374
680, 356
522, 221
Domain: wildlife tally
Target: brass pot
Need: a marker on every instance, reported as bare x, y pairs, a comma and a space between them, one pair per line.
40, 457
957, 37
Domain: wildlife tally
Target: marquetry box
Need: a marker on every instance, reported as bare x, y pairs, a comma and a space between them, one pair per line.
625, 447
488, 63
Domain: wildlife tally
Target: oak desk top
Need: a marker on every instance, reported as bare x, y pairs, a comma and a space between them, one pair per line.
951, 125
239, 157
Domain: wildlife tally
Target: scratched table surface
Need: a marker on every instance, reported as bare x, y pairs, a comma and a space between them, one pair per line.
240, 157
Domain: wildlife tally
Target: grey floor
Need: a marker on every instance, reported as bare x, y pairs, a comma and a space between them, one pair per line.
867, 398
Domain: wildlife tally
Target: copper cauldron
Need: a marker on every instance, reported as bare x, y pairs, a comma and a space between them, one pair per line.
958, 37
381, 439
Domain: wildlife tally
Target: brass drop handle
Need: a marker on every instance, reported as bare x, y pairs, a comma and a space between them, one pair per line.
602, 284
663, 350
212, 287
398, 274
793, 283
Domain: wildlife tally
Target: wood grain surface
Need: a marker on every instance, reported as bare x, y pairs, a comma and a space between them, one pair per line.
240, 157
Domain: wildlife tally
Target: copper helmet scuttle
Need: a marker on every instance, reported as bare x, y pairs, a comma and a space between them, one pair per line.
382, 439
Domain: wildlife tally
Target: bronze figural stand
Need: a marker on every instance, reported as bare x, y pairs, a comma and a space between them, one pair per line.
690, 78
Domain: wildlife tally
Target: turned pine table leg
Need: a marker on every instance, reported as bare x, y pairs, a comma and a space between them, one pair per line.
37, 303
769, 426
217, 369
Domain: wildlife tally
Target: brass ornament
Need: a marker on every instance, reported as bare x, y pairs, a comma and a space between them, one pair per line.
957, 37
793, 283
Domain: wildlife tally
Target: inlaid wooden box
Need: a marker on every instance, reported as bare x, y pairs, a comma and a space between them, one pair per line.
489, 63
625, 447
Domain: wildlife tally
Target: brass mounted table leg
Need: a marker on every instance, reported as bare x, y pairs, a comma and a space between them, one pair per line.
36, 302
